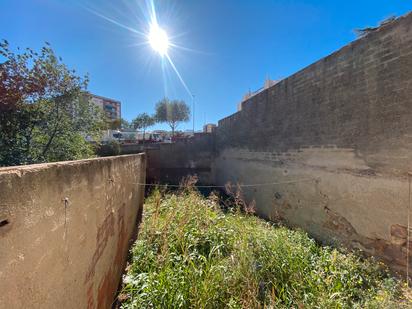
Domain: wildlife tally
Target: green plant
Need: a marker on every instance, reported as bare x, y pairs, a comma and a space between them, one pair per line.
172, 112
45, 112
112, 148
190, 254
143, 121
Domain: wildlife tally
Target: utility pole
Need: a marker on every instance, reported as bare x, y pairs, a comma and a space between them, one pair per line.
193, 112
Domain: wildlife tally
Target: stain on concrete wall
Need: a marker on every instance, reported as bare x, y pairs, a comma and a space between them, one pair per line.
68, 230
346, 123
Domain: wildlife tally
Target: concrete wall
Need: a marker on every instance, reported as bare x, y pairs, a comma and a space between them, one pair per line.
133, 148
169, 163
65, 230
342, 128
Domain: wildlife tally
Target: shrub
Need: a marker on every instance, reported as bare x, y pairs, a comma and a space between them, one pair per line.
112, 148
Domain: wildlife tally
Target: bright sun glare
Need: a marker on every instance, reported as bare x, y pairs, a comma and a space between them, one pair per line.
158, 39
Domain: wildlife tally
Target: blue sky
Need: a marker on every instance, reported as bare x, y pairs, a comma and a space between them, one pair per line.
230, 46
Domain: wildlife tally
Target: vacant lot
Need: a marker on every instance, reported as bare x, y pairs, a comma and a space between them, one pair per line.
190, 254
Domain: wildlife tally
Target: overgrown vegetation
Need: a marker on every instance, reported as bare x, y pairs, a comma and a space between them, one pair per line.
45, 111
191, 254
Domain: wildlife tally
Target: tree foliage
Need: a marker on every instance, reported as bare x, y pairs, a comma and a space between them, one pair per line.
172, 112
115, 124
142, 122
45, 113
124, 124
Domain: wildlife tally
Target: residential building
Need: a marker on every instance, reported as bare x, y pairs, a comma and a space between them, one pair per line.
268, 83
112, 108
209, 128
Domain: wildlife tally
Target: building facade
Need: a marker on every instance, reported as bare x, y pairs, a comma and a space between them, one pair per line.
209, 128
111, 108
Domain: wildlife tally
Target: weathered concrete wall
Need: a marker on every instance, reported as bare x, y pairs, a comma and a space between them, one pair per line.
342, 128
169, 163
133, 148
65, 230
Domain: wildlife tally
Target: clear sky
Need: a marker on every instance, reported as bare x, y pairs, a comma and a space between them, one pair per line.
226, 47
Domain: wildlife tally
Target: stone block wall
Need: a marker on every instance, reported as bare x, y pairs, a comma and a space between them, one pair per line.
336, 137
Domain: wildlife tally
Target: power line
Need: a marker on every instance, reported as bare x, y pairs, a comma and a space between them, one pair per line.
224, 186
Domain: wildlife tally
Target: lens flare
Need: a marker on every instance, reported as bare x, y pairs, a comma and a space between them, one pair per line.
154, 36
158, 39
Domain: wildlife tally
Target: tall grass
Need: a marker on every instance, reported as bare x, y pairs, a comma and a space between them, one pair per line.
190, 254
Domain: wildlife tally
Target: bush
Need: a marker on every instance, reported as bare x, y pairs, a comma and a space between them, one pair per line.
190, 254
112, 148
45, 110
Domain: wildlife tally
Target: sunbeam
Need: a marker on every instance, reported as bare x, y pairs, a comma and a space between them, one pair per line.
164, 75
152, 11
116, 22
178, 75
189, 49
154, 36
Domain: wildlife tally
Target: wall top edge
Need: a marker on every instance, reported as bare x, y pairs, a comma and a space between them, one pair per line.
41, 166
351, 45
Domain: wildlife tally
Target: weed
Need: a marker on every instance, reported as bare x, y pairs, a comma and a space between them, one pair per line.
190, 254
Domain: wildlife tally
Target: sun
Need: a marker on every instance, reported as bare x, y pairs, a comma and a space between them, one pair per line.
158, 39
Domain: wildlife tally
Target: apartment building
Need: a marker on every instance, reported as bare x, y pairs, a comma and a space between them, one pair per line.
112, 108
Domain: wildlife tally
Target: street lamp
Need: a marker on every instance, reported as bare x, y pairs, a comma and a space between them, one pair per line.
193, 113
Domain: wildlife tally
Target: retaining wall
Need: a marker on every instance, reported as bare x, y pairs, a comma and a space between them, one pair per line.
169, 163
65, 230
341, 131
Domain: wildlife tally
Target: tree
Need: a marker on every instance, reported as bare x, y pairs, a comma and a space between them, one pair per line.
142, 122
116, 124
124, 124
111, 124
172, 112
45, 111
